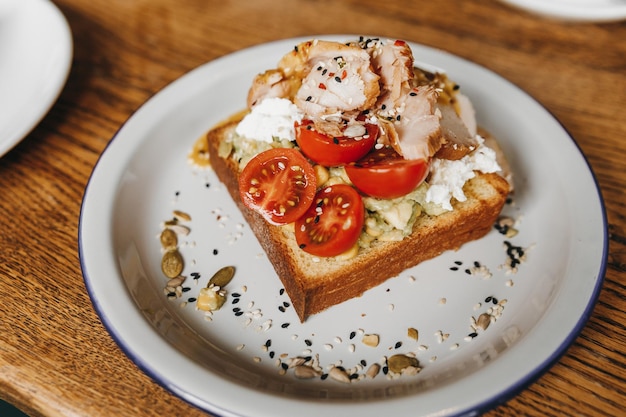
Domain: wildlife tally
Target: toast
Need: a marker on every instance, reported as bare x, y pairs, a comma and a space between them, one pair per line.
315, 283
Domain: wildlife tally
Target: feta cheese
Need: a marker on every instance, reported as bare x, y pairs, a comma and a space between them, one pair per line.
447, 177
271, 118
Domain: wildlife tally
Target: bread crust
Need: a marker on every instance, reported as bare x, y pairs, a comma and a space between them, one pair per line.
315, 284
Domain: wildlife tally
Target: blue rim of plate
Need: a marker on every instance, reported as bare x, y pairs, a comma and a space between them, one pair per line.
480, 407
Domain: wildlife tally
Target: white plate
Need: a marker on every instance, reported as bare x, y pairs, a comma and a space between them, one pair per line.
144, 175
575, 10
35, 59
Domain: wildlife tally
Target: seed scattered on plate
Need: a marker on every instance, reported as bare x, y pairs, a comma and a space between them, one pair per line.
371, 340
172, 263
168, 238
398, 363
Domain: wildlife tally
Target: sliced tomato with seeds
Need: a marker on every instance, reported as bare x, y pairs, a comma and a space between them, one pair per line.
333, 151
279, 184
333, 223
383, 173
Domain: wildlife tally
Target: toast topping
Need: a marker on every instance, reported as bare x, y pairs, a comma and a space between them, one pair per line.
363, 116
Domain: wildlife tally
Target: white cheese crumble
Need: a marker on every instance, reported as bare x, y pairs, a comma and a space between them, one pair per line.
447, 178
271, 118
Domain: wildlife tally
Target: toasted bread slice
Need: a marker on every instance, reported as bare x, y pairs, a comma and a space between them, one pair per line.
315, 284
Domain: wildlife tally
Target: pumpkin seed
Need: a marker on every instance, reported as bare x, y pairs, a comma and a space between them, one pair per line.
172, 263
168, 238
397, 363
222, 277
181, 215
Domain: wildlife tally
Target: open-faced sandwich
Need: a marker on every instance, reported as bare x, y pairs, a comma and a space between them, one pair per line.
351, 165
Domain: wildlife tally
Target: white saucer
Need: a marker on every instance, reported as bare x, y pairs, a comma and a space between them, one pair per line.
575, 10
35, 59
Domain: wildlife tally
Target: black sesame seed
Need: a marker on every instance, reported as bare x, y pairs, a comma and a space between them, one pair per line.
286, 304
488, 299
215, 251
191, 299
384, 106
336, 141
268, 343
454, 268
363, 362
308, 342
317, 219
285, 325
412, 93
236, 309
195, 275
281, 309
324, 376
352, 335
307, 358
236, 295
398, 117
385, 370
207, 185
302, 246
324, 72
272, 354
477, 264
236, 300
177, 193
468, 272
473, 335
458, 262
282, 291
338, 79
354, 376
309, 98
284, 366
171, 294
186, 289
398, 345
239, 313
456, 87
494, 300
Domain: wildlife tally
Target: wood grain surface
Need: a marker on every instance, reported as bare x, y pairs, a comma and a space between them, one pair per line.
56, 359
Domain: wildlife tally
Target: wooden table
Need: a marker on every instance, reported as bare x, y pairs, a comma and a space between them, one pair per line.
56, 359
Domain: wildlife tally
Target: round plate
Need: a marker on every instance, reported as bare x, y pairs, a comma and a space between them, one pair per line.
35, 60
233, 362
575, 10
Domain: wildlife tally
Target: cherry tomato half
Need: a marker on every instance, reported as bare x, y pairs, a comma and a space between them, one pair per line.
333, 223
384, 173
332, 151
279, 184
